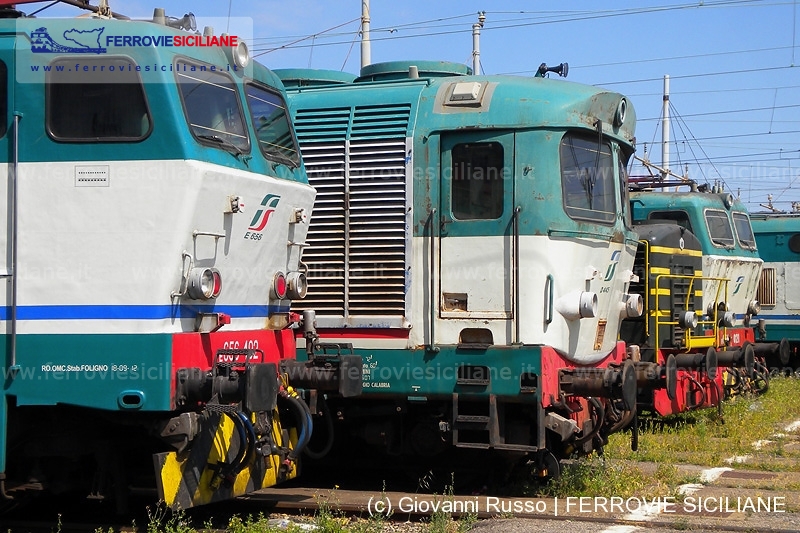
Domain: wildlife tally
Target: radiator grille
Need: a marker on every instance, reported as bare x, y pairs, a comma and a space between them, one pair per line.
356, 159
767, 288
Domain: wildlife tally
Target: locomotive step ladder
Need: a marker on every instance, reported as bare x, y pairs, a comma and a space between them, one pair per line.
479, 422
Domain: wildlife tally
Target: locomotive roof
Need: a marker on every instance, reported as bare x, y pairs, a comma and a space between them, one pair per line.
447, 96
650, 201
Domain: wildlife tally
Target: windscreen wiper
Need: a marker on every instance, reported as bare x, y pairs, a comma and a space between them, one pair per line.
225, 145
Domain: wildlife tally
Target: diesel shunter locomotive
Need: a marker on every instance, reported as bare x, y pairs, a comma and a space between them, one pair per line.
472, 242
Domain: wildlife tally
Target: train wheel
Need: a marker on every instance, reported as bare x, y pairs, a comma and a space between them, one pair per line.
548, 467
760, 380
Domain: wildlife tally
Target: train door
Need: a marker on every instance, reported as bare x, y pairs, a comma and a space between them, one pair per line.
476, 227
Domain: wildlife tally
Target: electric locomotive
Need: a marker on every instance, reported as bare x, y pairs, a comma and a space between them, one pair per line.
155, 213
472, 241
778, 239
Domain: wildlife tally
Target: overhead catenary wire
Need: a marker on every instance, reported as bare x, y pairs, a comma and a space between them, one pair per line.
585, 15
772, 128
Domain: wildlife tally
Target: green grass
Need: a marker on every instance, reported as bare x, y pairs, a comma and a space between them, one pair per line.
705, 438
700, 437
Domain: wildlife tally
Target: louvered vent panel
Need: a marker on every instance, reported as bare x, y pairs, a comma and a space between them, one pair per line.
767, 288
358, 228
322, 135
321, 125
325, 257
380, 121
377, 227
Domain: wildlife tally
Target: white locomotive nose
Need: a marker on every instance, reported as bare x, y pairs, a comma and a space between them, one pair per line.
577, 305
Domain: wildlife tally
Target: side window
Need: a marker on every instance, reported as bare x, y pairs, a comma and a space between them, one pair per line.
719, 228
103, 101
3, 99
211, 104
273, 129
743, 230
681, 218
794, 243
625, 205
477, 181
587, 179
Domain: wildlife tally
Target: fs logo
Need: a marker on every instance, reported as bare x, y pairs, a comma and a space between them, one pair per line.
738, 285
612, 267
80, 42
260, 219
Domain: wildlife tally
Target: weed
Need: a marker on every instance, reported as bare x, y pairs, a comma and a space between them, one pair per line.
164, 520
681, 524
442, 521
703, 438
594, 476
328, 518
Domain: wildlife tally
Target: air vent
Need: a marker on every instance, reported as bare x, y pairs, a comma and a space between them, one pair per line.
356, 159
767, 288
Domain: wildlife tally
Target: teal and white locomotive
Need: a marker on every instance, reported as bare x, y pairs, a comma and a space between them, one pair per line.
778, 238
154, 214
472, 242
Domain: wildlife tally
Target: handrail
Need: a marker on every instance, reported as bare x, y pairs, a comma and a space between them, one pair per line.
432, 277
690, 340
515, 274
14, 232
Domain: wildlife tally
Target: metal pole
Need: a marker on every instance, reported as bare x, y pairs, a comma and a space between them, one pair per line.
476, 43
366, 51
665, 130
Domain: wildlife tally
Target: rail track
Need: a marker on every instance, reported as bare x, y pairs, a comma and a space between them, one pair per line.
728, 498
724, 499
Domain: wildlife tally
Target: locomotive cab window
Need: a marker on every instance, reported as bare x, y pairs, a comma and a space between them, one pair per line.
271, 122
719, 228
794, 243
744, 230
104, 101
477, 181
587, 179
681, 218
622, 159
211, 104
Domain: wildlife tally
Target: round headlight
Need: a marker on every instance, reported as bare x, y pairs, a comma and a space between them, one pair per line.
688, 320
297, 285
621, 113
204, 283
240, 54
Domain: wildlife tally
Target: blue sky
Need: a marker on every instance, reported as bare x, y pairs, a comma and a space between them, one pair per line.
734, 65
